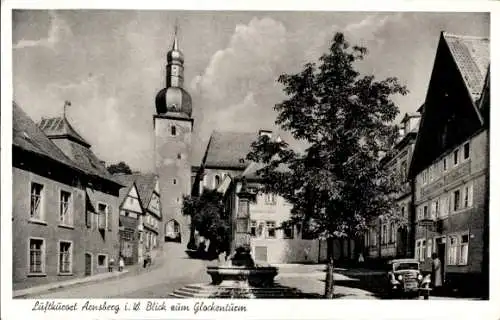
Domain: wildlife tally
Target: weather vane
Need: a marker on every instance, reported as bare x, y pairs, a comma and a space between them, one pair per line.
67, 103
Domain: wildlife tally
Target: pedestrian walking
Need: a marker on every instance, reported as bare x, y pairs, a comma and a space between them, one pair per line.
111, 264
121, 264
361, 259
436, 275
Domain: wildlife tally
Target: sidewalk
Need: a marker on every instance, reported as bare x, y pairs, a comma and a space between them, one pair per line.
135, 269
68, 283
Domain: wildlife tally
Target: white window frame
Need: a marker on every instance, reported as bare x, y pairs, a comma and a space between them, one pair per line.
463, 151
268, 228
253, 224
420, 249
444, 206
425, 177
106, 260
425, 211
42, 196
59, 257
460, 260
468, 195
63, 222
453, 200
270, 199
456, 159
452, 251
106, 214
392, 230
43, 257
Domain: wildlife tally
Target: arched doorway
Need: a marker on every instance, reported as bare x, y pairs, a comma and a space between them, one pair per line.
173, 231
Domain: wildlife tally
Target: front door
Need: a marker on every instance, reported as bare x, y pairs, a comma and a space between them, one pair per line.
261, 253
441, 252
88, 264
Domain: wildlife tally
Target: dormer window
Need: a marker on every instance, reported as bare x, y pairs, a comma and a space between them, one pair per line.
242, 160
173, 130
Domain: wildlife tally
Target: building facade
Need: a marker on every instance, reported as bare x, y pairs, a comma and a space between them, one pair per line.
140, 216
173, 127
451, 163
273, 239
386, 239
131, 217
224, 165
65, 215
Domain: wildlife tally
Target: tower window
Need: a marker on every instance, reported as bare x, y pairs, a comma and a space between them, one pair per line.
175, 181
179, 156
173, 130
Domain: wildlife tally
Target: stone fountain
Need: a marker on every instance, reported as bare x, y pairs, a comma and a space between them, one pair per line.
239, 277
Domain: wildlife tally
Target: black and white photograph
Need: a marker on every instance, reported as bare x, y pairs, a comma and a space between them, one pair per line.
238, 154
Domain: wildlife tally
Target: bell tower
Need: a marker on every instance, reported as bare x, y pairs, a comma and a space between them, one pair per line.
173, 127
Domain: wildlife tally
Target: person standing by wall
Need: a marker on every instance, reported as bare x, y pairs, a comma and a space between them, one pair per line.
436, 276
121, 264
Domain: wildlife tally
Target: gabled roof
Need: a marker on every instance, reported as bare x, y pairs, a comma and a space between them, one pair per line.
78, 150
229, 149
472, 56
145, 183
28, 136
124, 192
59, 127
451, 112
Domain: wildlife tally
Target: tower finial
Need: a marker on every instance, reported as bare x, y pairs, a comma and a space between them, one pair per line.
175, 45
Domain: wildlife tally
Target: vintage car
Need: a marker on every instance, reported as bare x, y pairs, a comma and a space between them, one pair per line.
406, 279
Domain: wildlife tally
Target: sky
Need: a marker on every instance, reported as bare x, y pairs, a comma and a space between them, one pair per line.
110, 65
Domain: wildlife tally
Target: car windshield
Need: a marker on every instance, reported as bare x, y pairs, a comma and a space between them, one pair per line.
405, 266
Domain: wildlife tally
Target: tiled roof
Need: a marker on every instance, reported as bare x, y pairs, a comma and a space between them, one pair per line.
60, 127
145, 183
77, 148
472, 56
28, 136
88, 161
229, 149
250, 172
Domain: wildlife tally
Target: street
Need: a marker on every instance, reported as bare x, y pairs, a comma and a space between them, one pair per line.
159, 281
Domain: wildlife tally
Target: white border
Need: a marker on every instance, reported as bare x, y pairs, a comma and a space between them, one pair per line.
320, 309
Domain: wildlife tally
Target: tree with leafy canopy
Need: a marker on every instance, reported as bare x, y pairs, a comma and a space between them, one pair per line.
209, 218
120, 167
337, 185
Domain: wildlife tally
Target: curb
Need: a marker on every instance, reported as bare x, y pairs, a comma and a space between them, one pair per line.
65, 284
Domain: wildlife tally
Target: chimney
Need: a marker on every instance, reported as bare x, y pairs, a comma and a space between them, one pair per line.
268, 133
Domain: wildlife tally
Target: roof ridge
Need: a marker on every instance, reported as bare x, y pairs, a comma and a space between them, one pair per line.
460, 36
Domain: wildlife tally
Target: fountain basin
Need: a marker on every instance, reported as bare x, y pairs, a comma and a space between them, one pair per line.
257, 276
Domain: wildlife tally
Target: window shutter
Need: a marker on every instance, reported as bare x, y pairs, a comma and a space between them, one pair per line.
471, 192
109, 219
88, 218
